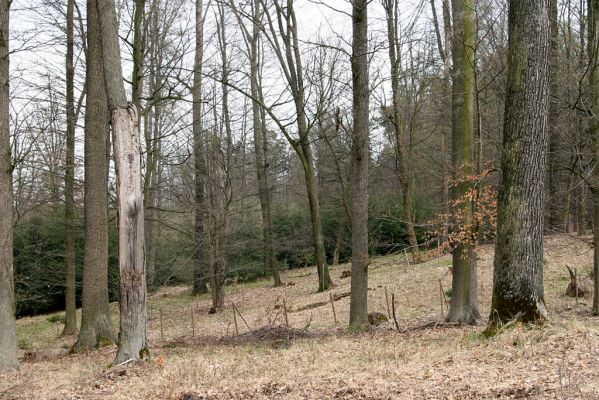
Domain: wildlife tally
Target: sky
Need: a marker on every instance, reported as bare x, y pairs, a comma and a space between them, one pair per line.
38, 52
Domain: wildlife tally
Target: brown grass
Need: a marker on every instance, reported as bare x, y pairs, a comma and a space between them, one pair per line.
315, 359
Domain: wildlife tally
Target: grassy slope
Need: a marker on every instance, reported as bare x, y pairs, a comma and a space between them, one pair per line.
558, 360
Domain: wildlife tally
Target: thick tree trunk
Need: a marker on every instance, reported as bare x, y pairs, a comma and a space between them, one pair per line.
95, 317
8, 338
464, 306
518, 275
201, 275
261, 155
70, 326
133, 342
358, 306
593, 54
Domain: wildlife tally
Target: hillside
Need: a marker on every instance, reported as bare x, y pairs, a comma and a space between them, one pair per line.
316, 358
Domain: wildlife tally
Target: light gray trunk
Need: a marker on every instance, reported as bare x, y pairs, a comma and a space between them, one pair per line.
133, 342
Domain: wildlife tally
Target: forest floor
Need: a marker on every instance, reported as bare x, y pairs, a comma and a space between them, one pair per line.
317, 358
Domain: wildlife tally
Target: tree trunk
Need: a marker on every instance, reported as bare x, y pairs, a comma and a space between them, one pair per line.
339, 242
70, 325
201, 275
518, 275
289, 57
358, 308
446, 94
464, 305
151, 138
402, 144
324, 278
95, 317
138, 55
220, 178
8, 338
556, 198
261, 155
593, 54
133, 342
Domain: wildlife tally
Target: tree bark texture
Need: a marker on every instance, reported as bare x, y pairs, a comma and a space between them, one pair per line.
358, 309
518, 275
556, 199
95, 317
70, 326
133, 342
8, 336
593, 54
464, 304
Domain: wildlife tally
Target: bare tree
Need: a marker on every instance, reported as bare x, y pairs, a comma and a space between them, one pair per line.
8, 339
282, 34
358, 312
201, 274
518, 275
70, 324
261, 148
95, 316
403, 145
593, 53
133, 341
464, 303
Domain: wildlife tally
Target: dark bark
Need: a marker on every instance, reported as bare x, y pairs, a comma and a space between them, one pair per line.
8, 338
138, 55
70, 326
96, 326
556, 200
518, 275
593, 54
358, 309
